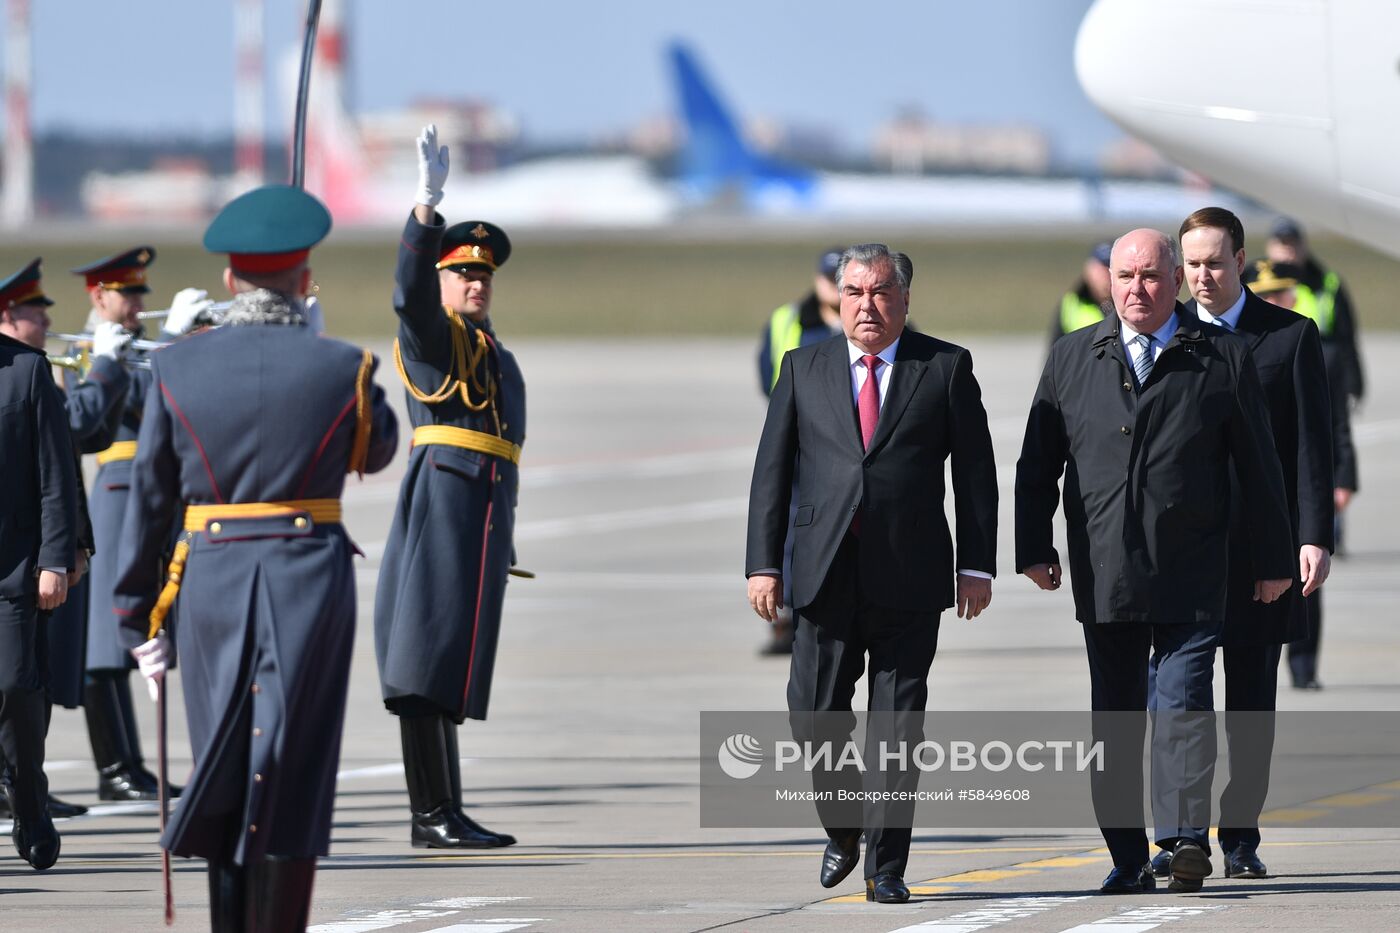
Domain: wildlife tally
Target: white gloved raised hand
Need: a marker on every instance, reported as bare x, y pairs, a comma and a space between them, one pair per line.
110, 339
432, 167
185, 309
152, 659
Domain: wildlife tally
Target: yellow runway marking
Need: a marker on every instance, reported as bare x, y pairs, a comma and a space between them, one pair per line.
1352, 800
949, 883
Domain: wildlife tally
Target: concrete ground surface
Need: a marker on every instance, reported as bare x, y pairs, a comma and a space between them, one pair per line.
632, 508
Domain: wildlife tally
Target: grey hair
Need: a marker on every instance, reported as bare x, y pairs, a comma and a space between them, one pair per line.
870, 253
1173, 248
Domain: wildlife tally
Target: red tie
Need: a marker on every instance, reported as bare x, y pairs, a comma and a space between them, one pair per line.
869, 404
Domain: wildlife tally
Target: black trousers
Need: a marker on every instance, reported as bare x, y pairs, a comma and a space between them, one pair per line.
1183, 747
832, 640
1251, 689
23, 704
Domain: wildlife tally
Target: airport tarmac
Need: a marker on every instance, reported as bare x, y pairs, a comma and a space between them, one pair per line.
635, 479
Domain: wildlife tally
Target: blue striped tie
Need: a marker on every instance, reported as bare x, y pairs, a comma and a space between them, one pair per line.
1143, 366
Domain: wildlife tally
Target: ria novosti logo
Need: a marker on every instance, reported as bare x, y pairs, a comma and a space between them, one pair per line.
740, 756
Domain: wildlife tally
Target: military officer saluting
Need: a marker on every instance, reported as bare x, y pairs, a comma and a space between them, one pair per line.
437, 613
248, 432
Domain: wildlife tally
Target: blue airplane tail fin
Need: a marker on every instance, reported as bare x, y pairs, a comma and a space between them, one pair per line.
715, 157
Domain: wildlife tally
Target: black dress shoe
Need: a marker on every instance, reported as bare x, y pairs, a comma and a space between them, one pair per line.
840, 857
1244, 862
443, 828
62, 809
124, 784
1162, 864
503, 839
1129, 879
886, 888
1189, 867
36, 841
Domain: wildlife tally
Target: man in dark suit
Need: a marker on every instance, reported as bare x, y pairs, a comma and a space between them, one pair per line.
872, 415
38, 548
1287, 354
1146, 414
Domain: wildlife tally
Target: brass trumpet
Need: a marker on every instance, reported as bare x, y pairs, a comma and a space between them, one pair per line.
143, 345
213, 316
80, 362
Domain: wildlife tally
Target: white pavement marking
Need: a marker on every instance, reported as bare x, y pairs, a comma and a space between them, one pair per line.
1015, 908
379, 920
432, 910
503, 925
385, 770
1142, 919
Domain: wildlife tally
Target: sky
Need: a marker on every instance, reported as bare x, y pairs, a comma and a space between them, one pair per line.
571, 71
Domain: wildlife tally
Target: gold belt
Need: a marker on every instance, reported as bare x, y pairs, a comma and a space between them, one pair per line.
121, 450
478, 441
200, 517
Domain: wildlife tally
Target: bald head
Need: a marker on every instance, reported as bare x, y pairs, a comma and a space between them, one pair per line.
1146, 277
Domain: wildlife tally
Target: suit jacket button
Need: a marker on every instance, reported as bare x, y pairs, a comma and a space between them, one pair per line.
1127, 387
1126, 430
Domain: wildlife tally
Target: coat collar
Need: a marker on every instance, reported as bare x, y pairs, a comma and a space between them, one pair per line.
905, 375
1189, 330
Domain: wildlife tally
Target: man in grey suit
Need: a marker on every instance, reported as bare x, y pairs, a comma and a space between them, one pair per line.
872, 415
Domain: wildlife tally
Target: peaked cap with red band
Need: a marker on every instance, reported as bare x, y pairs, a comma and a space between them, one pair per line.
24, 288
474, 243
268, 229
124, 272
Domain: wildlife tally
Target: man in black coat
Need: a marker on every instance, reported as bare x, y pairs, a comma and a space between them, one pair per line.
38, 546
872, 415
1146, 415
1288, 357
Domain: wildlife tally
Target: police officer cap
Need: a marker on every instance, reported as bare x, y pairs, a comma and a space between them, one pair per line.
474, 243
1267, 278
24, 288
1286, 228
268, 229
124, 272
828, 261
1101, 253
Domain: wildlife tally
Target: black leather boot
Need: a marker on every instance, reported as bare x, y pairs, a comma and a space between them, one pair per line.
107, 731
281, 894
436, 822
227, 896
36, 841
454, 767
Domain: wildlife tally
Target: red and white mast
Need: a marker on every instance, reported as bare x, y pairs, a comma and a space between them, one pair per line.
248, 92
17, 193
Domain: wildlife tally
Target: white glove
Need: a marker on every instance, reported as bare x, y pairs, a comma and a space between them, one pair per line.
315, 317
432, 167
152, 659
110, 339
185, 309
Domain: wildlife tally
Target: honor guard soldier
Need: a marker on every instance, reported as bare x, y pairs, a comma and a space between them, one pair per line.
38, 548
248, 432
117, 288
93, 402
437, 613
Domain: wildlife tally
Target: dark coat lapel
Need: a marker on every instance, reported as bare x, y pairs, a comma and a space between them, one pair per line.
837, 378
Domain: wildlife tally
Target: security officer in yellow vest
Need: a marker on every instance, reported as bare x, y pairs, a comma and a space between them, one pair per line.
809, 320
1084, 304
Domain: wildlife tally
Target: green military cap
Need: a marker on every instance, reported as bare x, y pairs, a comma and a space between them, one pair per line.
474, 243
268, 229
124, 272
24, 288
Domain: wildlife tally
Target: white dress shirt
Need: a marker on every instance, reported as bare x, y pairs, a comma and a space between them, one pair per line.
1231, 318
1159, 340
